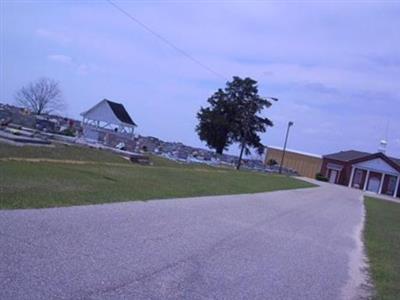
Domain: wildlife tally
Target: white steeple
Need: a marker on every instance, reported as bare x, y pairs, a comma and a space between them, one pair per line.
382, 146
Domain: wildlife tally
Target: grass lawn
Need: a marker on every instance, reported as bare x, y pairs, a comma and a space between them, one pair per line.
382, 238
59, 151
50, 184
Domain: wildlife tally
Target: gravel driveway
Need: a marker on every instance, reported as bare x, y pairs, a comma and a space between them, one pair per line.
298, 244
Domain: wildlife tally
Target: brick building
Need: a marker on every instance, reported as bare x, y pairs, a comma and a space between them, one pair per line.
377, 173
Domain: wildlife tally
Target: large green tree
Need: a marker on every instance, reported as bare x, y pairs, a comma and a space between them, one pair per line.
234, 116
215, 122
249, 122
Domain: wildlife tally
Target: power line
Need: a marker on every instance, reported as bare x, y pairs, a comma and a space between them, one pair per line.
166, 41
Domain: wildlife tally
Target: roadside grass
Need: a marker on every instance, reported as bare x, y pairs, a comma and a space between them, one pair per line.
59, 152
382, 239
103, 177
37, 185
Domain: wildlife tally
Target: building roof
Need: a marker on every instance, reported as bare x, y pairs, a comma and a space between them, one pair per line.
396, 160
347, 155
120, 112
295, 151
110, 112
351, 155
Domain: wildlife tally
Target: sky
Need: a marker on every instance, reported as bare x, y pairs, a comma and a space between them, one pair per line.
334, 65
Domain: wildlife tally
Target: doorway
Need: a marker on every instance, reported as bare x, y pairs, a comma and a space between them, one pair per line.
359, 179
374, 183
333, 176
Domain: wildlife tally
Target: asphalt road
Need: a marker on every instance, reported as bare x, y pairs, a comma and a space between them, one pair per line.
299, 244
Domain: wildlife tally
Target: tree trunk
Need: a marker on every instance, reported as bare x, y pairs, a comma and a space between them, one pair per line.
219, 151
240, 156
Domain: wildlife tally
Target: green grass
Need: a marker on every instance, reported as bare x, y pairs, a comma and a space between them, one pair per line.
382, 239
80, 153
60, 151
50, 184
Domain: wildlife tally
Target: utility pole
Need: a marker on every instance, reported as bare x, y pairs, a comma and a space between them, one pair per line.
284, 147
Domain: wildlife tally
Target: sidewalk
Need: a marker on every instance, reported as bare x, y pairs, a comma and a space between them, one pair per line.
382, 197
365, 193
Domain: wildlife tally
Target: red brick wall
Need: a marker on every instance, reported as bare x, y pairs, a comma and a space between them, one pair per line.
345, 173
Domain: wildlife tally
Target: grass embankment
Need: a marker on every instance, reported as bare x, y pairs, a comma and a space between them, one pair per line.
59, 152
382, 239
51, 184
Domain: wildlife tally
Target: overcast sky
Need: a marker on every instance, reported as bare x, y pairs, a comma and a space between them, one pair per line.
334, 67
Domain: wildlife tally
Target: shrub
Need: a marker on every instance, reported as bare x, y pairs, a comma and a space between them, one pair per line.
68, 132
272, 162
319, 176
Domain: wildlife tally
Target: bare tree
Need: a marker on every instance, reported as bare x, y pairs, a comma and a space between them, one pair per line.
41, 97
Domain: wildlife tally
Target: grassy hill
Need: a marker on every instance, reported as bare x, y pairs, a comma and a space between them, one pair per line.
102, 177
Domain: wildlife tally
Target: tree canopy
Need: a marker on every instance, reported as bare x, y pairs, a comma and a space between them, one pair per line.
234, 117
42, 96
215, 122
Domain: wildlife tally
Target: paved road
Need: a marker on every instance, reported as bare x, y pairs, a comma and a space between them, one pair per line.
296, 244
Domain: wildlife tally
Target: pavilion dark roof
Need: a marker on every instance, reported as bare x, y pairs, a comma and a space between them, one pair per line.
120, 112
